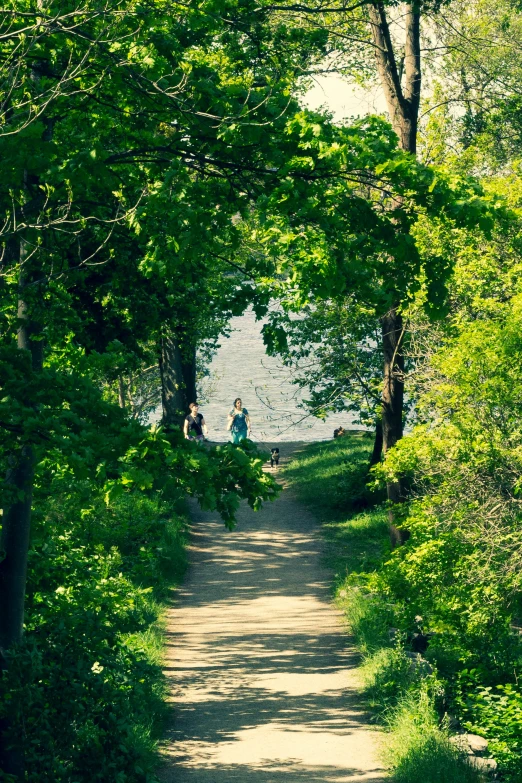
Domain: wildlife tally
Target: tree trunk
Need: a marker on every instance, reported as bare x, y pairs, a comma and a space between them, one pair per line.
377, 444
393, 403
188, 367
402, 92
393, 389
121, 392
16, 522
412, 79
402, 99
14, 542
173, 391
16, 526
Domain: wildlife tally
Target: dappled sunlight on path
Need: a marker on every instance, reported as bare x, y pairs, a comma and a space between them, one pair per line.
262, 675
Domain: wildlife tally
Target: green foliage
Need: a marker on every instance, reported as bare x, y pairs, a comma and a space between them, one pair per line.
389, 674
334, 351
85, 691
356, 542
482, 75
156, 164
404, 692
420, 748
495, 712
322, 246
460, 568
159, 174
338, 466
368, 616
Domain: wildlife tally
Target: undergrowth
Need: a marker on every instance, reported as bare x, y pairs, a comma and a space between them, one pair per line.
405, 693
85, 694
419, 748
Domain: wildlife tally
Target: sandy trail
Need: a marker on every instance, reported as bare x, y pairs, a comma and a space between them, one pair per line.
263, 675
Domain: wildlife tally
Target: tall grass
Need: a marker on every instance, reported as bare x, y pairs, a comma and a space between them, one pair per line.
419, 750
331, 479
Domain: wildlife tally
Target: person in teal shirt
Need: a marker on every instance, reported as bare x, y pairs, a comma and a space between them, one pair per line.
238, 422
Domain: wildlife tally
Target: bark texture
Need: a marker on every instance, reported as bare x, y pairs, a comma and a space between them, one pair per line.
14, 543
393, 404
401, 84
121, 392
377, 444
393, 388
178, 379
188, 365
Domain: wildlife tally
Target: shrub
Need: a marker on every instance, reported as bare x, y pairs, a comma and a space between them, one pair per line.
380, 591
496, 713
86, 690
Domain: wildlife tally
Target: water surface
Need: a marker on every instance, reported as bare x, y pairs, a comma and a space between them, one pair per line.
241, 368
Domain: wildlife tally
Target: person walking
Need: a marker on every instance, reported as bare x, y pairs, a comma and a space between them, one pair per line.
238, 422
194, 426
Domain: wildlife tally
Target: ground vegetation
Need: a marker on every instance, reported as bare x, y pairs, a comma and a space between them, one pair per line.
437, 619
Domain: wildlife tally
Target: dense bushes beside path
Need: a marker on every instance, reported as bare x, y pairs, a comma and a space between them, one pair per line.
86, 690
436, 589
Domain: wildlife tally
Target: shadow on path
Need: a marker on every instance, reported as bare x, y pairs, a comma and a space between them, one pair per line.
263, 677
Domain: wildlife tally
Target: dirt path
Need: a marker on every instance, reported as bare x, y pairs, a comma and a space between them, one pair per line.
262, 673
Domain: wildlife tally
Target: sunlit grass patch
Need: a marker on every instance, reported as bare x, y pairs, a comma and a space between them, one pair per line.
330, 478
326, 465
357, 544
419, 750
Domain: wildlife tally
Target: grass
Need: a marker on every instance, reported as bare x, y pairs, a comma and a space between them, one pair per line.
419, 749
330, 478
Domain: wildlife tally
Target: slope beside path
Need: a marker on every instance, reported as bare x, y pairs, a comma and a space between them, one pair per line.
262, 673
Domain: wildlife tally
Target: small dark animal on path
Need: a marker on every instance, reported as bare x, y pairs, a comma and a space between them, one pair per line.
274, 457
338, 432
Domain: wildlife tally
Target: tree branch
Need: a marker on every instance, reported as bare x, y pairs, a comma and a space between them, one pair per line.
305, 9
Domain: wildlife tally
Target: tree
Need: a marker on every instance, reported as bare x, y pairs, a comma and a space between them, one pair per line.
474, 110
333, 357
369, 251
353, 32
139, 144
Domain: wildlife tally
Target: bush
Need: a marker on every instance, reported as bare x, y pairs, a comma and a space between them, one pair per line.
377, 595
496, 713
86, 690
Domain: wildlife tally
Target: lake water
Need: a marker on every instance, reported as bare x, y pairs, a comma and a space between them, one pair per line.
241, 368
